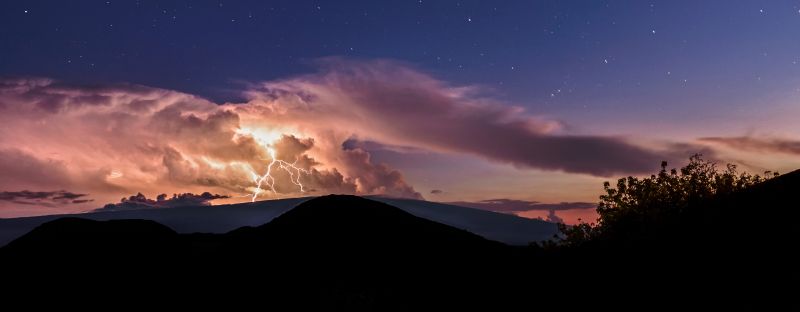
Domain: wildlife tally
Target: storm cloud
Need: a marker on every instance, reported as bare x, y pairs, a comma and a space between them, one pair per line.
110, 140
387, 102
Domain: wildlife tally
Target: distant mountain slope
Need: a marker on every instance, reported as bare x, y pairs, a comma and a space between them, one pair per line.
70, 238
505, 228
333, 252
334, 221
352, 254
199, 219
345, 220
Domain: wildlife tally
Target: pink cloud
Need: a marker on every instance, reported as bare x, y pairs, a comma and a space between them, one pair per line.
109, 141
112, 140
758, 144
389, 103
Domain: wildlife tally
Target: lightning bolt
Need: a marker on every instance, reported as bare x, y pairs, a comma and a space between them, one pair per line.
269, 181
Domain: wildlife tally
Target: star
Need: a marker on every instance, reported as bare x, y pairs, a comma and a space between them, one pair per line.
26, 11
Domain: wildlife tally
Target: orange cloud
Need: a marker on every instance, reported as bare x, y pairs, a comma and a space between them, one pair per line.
108, 141
392, 104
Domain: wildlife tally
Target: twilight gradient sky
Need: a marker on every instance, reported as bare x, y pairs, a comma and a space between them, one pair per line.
532, 103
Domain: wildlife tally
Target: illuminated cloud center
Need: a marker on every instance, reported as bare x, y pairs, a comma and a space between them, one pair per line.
287, 139
268, 180
114, 141
268, 139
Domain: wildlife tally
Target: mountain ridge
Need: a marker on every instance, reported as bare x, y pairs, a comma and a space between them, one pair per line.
219, 219
310, 263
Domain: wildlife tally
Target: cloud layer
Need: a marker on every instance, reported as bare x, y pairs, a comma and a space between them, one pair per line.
514, 205
48, 199
111, 140
758, 144
385, 102
121, 139
573, 211
140, 201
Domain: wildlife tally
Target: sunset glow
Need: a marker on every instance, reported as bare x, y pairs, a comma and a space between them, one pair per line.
482, 120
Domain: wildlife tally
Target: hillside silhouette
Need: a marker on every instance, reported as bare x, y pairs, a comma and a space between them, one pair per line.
80, 239
357, 225
219, 219
331, 251
349, 253
694, 235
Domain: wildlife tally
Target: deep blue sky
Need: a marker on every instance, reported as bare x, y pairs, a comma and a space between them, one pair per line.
647, 72
591, 60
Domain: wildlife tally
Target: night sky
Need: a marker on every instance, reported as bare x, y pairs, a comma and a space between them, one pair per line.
718, 77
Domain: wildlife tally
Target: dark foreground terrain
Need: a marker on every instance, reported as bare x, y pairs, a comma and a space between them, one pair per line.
219, 219
353, 254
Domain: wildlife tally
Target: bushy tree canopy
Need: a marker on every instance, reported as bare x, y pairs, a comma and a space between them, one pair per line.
640, 209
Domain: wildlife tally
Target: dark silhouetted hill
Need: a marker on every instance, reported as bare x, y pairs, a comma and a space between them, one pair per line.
81, 239
354, 223
331, 251
738, 249
505, 228
502, 227
346, 253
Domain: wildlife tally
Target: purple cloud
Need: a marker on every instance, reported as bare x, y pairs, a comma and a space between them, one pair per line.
764, 145
515, 205
396, 105
43, 198
139, 201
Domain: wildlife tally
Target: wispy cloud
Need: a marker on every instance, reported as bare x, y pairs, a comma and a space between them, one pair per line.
515, 205
110, 140
43, 198
140, 201
758, 144
387, 102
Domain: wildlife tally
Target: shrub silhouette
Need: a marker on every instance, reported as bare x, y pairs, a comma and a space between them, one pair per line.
641, 210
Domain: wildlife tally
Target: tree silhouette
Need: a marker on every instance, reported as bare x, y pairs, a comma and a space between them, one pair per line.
646, 209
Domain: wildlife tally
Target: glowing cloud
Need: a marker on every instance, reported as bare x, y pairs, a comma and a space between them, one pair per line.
291, 137
393, 104
112, 140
